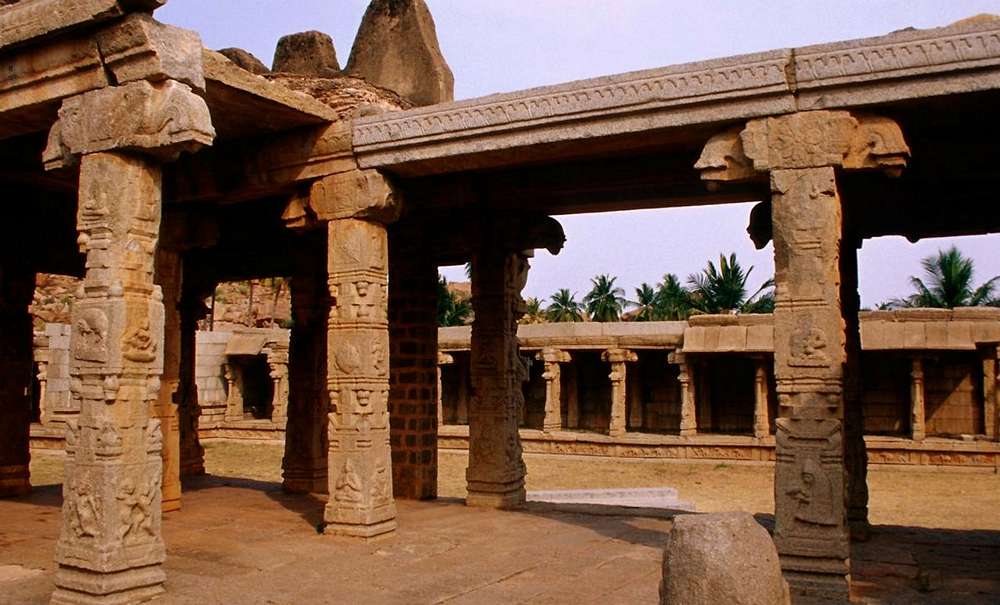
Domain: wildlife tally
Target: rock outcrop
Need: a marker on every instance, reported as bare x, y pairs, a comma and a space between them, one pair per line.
245, 60
307, 54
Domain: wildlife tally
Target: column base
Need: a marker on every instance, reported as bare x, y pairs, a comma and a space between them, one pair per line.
829, 589
305, 481
513, 496
14, 481
688, 432
365, 532
171, 505
552, 428
81, 587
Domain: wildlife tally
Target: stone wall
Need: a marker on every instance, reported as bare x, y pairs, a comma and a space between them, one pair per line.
210, 362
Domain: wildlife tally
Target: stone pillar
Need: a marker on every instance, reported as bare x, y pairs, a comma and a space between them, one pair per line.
761, 421
413, 369
192, 310
917, 413
17, 286
802, 153
41, 354
234, 396
496, 467
618, 358
110, 549
444, 359
277, 363
360, 469
553, 387
635, 415
855, 451
703, 394
462, 411
689, 406
988, 356
304, 467
572, 399
164, 409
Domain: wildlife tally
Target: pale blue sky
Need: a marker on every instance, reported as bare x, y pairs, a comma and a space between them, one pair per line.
504, 45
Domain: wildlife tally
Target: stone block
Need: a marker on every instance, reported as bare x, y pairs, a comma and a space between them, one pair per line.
721, 558
309, 53
140, 48
245, 60
732, 338
760, 338
53, 329
397, 48
960, 335
38, 18
914, 336
936, 335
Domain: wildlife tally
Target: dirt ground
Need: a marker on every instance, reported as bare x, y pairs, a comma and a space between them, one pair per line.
937, 498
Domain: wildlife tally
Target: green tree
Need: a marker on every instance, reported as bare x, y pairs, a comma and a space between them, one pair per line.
723, 289
948, 283
674, 300
647, 303
605, 301
452, 310
564, 307
533, 312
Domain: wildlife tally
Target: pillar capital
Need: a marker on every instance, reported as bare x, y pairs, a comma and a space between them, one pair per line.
809, 139
619, 356
445, 359
553, 355
359, 194
159, 120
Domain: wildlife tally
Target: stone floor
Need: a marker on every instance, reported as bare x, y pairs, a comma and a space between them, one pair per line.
243, 541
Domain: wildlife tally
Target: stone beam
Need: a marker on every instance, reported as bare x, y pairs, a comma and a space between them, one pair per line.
30, 20
455, 237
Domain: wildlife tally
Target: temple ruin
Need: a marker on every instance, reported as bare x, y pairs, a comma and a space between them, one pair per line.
151, 168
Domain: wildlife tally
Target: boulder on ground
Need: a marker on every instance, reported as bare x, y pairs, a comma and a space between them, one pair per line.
721, 558
245, 60
397, 48
307, 54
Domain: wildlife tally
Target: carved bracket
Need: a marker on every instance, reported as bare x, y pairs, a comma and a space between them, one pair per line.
361, 194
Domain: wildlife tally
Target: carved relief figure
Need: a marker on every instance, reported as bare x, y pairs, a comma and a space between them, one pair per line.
813, 494
348, 486
92, 334
84, 510
139, 345
109, 442
380, 492
136, 506
808, 347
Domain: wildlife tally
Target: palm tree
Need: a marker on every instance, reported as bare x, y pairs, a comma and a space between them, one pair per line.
533, 312
452, 310
647, 303
674, 299
723, 289
605, 301
564, 307
949, 284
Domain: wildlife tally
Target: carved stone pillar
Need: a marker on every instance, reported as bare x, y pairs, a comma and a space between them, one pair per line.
496, 466
17, 285
110, 548
855, 451
572, 398
553, 387
277, 364
802, 153
635, 407
361, 498
234, 391
618, 358
761, 421
164, 409
689, 406
988, 356
192, 310
305, 463
918, 417
444, 359
41, 353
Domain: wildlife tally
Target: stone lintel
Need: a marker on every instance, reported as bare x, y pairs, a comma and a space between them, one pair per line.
161, 120
29, 20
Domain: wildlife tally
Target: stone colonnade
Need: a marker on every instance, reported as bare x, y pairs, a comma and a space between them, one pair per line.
814, 334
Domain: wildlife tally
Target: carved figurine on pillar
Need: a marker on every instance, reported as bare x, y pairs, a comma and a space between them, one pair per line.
110, 548
553, 387
802, 153
618, 358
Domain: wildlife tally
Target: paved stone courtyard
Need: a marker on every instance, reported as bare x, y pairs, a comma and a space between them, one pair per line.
240, 539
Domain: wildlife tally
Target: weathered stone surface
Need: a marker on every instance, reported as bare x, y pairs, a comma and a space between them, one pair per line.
397, 48
721, 558
353, 194
162, 120
307, 53
24, 20
140, 48
245, 60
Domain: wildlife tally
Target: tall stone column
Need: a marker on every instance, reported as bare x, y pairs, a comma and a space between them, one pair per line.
761, 421
496, 466
444, 359
802, 153
304, 467
192, 456
168, 278
413, 369
553, 387
988, 356
689, 407
277, 365
572, 398
918, 415
619, 372
635, 415
110, 548
855, 451
361, 498
17, 286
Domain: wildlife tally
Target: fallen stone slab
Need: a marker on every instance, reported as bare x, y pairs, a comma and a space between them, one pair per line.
656, 497
721, 558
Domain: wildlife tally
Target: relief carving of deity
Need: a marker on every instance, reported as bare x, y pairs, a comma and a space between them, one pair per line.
92, 334
140, 346
136, 508
808, 347
348, 487
813, 495
83, 508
